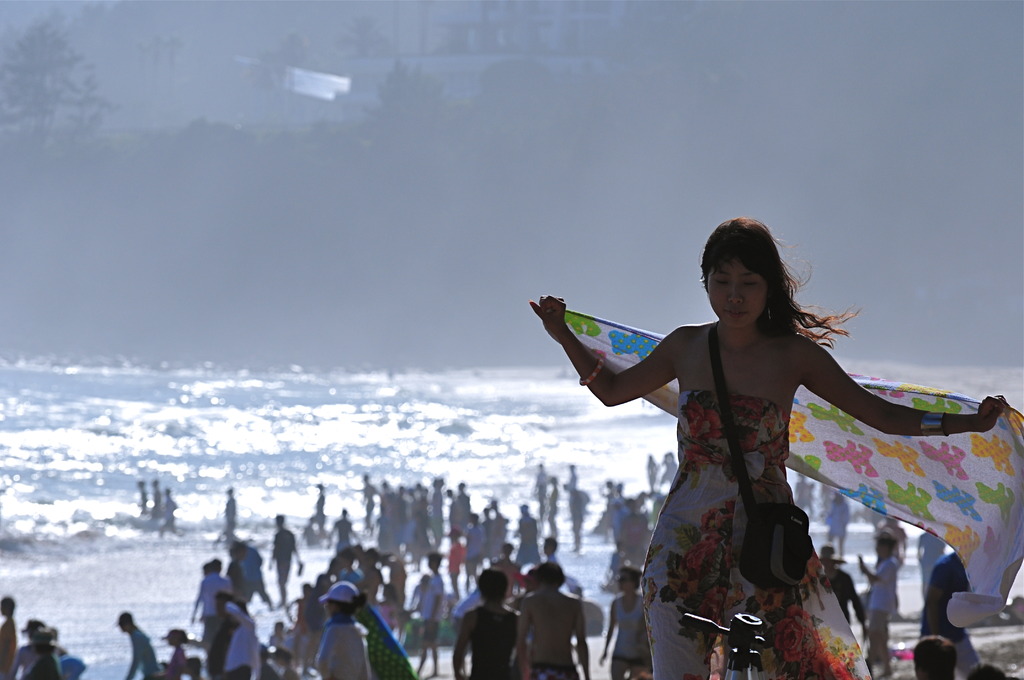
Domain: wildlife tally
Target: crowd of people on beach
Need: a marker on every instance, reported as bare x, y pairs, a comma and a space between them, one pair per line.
424, 567
458, 552
428, 566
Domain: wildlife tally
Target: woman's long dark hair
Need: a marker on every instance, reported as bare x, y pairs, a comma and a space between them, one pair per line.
750, 242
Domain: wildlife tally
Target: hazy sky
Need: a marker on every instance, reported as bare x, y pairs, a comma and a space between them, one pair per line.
884, 141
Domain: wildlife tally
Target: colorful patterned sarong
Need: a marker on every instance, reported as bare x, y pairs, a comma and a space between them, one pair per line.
967, 489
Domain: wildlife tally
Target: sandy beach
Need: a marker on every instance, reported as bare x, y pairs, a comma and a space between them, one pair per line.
81, 585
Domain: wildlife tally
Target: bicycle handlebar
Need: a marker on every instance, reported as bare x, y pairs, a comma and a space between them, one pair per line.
706, 626
741, 634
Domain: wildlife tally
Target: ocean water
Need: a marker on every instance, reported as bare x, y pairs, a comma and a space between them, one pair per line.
75, 440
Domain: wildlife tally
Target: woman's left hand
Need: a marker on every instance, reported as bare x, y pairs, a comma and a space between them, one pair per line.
989, 411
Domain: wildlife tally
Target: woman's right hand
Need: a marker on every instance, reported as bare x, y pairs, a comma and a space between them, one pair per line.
551, 311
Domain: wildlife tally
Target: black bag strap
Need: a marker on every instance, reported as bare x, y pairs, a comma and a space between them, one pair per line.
739, 466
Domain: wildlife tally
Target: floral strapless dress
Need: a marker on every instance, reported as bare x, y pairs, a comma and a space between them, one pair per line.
693, 561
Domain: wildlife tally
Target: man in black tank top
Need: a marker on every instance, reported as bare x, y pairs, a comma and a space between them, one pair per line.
491, 628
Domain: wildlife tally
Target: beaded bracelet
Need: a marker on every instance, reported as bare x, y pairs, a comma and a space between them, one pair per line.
933, 425
593, 374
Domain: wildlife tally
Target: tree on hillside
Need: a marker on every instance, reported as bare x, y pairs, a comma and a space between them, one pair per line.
44, 82
410, 102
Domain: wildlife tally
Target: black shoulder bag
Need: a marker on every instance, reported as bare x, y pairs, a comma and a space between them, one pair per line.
776, 546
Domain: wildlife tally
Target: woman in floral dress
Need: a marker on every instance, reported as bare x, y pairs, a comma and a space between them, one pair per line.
770, 346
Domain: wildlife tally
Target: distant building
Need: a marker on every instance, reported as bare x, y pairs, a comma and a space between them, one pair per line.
457, 42
568, 27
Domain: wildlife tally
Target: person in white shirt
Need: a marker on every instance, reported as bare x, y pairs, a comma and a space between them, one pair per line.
243, 658
476, 545
882, 603
631, 653
431, 608
342, 654
213, 582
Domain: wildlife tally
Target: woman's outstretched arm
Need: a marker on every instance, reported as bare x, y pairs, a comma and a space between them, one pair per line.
611, 388
823, 376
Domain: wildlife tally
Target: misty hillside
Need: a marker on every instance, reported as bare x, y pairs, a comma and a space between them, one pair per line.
209, 213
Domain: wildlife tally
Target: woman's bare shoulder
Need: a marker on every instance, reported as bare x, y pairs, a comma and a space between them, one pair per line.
805, 356
684, 335
802, 347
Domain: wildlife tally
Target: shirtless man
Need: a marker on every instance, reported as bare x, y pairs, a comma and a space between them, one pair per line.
551, 619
